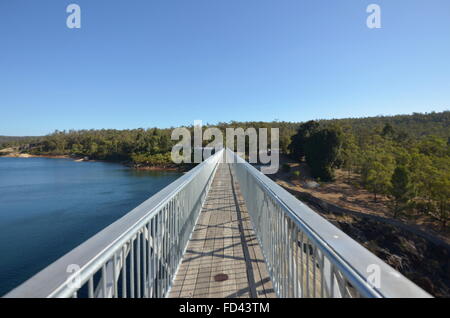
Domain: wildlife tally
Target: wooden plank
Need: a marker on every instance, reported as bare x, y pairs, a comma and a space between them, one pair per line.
223, 242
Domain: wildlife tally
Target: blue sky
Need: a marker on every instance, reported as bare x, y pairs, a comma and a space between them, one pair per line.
145, 63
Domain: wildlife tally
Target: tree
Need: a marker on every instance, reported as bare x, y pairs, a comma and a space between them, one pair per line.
93, 148
377, 171
285, 141
77, 149
401, 190
434, 146
440, 190
322, 149
298, 145
388, 131
350, 153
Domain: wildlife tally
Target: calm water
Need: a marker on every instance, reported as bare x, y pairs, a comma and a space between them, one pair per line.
49, 206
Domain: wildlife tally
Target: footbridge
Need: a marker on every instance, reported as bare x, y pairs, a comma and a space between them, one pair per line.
221, 230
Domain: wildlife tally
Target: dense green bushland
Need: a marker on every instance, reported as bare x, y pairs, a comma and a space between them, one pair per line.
136, 145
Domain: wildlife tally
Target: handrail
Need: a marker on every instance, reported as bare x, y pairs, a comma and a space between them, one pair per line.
136, 256
306, 255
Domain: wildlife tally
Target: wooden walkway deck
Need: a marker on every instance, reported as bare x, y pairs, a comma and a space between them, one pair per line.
223, 258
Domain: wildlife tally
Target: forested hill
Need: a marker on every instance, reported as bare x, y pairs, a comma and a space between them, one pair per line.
147, 145
416, 125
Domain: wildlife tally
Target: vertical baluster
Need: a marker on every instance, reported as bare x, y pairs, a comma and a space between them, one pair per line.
272, 241
132, 268
179, 222
158, 251
332, 281
176, 234
314, 270
154, 264
166, 239
144, 261
149, 259
104, 281
307, 267
115, 278
322, 276
284, 256
177, 227
274, 246
346, 293
302, 265
163, 253
341, 283
124, 271
288, 261
169, 245
280, 251
288, 279
138, 263
161, 250
266, 221
171, 240
91, 287
292, 254
296, 262
277, 258
175, 238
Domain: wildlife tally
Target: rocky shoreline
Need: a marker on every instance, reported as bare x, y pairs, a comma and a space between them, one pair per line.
27, 155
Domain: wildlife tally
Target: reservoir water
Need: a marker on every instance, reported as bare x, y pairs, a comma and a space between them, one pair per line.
49, 206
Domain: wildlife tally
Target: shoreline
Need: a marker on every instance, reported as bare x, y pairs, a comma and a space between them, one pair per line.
27, 155
156, 168
84, 159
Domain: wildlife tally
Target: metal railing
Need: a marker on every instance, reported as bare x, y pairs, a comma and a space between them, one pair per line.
136, 256
306, 255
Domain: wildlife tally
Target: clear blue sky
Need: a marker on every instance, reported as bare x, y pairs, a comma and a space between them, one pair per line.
167, 62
